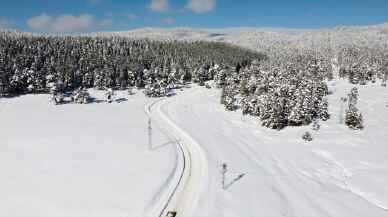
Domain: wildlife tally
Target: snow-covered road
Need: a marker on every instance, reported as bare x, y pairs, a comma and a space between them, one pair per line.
182, 195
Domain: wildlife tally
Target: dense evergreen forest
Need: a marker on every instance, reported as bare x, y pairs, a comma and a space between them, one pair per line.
286, 86
289, 88
33, 64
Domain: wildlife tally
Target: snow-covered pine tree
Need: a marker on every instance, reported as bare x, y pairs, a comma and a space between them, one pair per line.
353, 118
99, 80
323, 110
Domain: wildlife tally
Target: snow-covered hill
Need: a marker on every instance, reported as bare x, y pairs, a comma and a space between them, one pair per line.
262, 38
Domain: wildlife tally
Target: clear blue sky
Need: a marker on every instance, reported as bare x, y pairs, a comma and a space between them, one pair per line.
92, 15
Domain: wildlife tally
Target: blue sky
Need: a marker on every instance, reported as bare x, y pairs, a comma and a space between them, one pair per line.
113, 15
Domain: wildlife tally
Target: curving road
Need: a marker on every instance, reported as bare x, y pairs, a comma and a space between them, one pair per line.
182, 193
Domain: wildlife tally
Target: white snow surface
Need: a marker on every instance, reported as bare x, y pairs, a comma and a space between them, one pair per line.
79, 160
340, 173
93, 160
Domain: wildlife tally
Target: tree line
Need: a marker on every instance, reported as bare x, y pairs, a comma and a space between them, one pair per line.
34, 64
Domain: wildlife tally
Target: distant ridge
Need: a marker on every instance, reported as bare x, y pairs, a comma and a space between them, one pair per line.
262, 38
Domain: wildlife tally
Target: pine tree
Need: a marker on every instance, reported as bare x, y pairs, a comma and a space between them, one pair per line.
353, 118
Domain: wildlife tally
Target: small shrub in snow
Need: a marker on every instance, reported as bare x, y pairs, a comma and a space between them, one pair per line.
56, 90
307, 137
109, 95
58, 98
81, 96
230, 103
156, 89
130, 91
316, 125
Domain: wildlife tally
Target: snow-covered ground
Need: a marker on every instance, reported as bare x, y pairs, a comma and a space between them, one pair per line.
93, 160
340, 173
79, 160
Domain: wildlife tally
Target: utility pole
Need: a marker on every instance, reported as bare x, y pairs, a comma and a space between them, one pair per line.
224, 170
149, 134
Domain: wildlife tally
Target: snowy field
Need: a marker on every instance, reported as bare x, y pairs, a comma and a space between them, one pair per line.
79, 160
340, 173
93, 160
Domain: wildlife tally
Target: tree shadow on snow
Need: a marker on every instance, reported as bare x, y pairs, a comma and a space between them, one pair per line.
121, 100
95, 100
